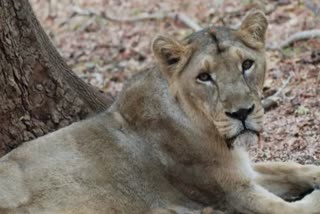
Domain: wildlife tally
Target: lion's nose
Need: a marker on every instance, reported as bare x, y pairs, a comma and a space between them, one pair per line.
241, 114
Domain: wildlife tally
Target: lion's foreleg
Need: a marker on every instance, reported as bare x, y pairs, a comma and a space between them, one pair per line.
183, 210
247, 196
256, 199
288, 180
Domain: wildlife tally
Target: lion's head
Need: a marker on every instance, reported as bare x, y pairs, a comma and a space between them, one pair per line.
217, 74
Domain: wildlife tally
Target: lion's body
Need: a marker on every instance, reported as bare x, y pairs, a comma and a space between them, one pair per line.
100, 165
175, 139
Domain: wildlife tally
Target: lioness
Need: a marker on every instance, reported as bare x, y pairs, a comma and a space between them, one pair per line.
175, 139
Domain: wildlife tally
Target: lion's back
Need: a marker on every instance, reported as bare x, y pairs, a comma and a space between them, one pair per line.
60, 172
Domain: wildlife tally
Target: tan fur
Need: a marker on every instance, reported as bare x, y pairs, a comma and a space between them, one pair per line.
167, 144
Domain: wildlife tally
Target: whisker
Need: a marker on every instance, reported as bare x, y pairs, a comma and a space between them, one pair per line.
222, 125
256, 116
260, 111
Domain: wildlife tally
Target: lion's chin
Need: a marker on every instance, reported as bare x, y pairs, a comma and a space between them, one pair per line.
243, 139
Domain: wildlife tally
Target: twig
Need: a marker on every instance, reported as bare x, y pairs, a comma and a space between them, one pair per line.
49, 8
271, 101
284, 85
313, 7
303, 35
188, 21
144, 17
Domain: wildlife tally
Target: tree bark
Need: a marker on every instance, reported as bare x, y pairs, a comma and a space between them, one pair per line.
38, 91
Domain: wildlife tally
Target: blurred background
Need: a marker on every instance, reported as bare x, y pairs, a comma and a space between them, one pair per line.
107, 41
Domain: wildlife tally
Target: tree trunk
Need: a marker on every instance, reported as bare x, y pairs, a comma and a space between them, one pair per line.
38, 91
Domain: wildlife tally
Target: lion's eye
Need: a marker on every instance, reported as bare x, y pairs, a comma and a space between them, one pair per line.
247, 64
204, 77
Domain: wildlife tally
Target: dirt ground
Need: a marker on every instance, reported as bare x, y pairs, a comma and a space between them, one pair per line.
106, 51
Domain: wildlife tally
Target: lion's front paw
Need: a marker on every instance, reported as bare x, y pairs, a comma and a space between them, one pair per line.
311, 203
182, 210
312, 175
209, 210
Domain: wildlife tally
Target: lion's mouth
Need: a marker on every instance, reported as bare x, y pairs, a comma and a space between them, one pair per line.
230, 140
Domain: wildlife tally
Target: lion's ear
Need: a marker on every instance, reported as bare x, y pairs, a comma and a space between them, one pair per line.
253, 29
170, 53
